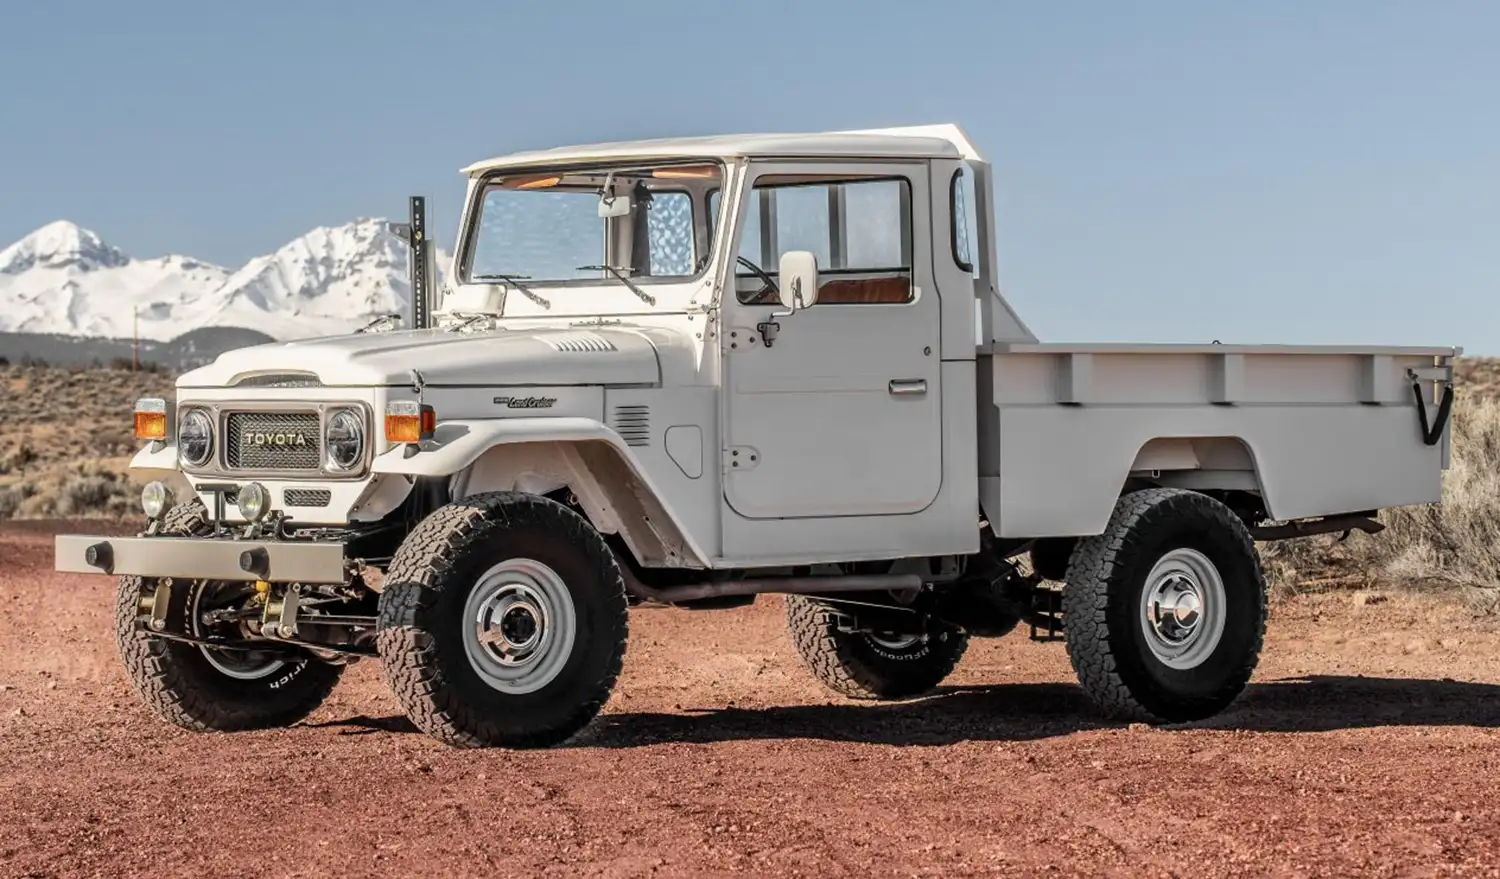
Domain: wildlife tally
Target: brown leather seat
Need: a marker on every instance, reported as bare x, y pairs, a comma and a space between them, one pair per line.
865, 291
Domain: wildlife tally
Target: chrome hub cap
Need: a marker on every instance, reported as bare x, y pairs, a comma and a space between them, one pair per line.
519, 626
1182, 609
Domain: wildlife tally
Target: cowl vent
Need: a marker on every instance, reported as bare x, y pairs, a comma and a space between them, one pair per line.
580, 343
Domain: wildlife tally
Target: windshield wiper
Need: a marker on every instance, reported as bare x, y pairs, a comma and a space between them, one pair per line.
515, 281
619, 273
380, 322
469, 320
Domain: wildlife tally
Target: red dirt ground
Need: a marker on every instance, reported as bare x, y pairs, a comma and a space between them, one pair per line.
1367, 745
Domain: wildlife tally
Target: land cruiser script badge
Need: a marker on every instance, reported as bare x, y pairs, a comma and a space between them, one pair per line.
525, 402
266, 438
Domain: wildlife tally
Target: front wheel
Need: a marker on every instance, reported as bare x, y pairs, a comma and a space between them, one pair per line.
209, 688
503, 622
1165, 612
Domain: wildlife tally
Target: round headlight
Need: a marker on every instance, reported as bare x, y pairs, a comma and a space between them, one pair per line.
155, 499
345, 439
253, 500
195, 438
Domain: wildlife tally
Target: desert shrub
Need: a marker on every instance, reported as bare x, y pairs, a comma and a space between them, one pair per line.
19, 456
84, 494
1452, 545
10, 501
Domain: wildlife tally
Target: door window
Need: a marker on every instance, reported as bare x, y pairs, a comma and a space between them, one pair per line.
964, 233
859, 229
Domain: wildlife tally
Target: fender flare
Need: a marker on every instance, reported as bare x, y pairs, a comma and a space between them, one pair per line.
460, 444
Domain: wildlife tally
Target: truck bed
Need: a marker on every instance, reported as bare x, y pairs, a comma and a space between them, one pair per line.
1315, 430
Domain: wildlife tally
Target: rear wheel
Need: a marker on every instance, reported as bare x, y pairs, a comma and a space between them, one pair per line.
1165, 611
206, 688
871, 665
503, 622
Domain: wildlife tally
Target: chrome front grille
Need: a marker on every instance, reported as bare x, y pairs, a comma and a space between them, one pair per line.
280, 441
307, 497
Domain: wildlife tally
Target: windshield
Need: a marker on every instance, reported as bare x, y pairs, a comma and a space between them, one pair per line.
544, 227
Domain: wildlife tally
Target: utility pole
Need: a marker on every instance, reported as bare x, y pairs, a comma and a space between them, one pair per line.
135, 338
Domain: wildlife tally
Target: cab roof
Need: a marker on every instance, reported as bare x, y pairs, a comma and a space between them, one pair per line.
919, 142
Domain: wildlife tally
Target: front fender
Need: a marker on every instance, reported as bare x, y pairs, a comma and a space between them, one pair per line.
153, 460
457, 444
619, 496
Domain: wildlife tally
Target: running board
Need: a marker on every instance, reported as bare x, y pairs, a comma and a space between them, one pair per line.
769, 585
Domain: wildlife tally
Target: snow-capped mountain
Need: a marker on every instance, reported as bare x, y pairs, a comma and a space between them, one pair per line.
64, 279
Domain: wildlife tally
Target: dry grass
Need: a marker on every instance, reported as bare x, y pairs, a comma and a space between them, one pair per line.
66, 440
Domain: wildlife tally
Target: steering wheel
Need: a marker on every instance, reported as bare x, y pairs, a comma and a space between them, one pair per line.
760, 273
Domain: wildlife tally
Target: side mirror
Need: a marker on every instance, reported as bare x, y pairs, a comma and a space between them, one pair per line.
613, 206
798, 279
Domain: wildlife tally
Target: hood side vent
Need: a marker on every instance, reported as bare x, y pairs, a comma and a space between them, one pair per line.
633, 424
580, 343
280, 380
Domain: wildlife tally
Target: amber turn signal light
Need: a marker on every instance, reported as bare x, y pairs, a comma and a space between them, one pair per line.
409, 422
151, 418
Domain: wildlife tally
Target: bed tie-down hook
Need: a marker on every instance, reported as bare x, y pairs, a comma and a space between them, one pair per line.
1430, 435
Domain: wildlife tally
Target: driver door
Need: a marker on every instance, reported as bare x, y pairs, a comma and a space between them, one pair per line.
836, 410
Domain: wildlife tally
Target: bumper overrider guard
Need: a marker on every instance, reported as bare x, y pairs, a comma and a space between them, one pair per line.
202, 558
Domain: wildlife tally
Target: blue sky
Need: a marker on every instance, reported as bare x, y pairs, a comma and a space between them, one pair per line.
1310, 172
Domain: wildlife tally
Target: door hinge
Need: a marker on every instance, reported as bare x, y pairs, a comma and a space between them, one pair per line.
740, 339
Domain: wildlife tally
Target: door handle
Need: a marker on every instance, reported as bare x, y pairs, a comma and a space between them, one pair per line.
900, 387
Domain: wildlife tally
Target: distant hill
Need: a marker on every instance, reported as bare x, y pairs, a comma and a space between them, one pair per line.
188, 351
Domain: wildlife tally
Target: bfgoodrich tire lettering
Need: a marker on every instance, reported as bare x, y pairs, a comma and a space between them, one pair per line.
446, 688
1110, 632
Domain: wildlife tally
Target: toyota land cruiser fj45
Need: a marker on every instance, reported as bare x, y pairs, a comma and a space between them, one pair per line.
691, 372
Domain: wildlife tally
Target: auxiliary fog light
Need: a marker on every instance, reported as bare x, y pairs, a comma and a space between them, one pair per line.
254, 501
155, 499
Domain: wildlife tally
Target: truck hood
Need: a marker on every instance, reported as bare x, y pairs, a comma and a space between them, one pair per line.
542, 356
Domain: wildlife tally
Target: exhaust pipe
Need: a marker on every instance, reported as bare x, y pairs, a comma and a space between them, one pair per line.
1308, 527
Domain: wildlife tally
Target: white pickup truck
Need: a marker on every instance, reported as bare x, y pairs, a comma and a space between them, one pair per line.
690, 372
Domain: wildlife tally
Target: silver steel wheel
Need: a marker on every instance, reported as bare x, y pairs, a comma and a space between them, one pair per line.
242, 665
1183, 609
519, 626
895, 642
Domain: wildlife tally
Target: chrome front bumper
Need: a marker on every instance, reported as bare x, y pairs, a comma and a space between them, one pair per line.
201, 558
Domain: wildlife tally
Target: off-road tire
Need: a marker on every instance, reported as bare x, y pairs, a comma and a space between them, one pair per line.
177, 682
421, 609
854, 665
1105, 630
